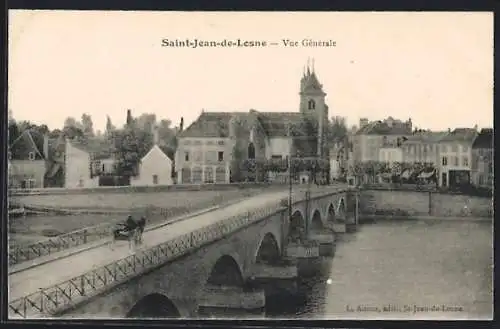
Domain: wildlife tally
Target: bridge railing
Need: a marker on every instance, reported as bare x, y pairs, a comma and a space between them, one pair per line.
57, 298
62, 296
19, 254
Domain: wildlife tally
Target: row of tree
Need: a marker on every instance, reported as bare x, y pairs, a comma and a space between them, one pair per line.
129, 143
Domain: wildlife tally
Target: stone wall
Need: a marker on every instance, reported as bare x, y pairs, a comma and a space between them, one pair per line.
414, 203
143, 189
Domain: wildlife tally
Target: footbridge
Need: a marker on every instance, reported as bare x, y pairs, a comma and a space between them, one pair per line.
226, 262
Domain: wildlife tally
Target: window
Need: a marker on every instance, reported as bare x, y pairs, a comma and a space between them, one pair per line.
210, 142
31, 156
311, 105
197, 142
445, 161
103, 167
220, 156
455, 161
221, 142
186, 156
188, 142
465, 148
251, 151
29, 183
465, 161
155, 179
444, 148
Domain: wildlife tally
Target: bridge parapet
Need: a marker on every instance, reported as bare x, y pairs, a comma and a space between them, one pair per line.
60, 297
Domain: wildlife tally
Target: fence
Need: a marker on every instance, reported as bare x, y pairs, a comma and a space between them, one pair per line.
58, 298
76, 238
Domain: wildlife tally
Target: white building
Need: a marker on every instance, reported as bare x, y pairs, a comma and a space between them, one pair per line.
155, 167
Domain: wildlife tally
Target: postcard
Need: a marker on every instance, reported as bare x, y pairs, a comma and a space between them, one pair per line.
250, 165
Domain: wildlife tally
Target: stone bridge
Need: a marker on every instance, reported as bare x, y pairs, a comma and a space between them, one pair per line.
232, 267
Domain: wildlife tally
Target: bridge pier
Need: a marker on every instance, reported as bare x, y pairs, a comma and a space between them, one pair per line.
306, 255
351, 224
279, 282
326, 241
233, 302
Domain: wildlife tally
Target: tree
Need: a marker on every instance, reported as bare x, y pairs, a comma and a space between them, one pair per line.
73, 129
13, 132
109, 126
146, 121
87, 125
337, 130
127, 152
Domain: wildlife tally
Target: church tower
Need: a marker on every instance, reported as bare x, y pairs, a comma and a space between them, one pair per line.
312, 104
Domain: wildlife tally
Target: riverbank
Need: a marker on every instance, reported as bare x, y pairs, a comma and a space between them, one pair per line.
421, 203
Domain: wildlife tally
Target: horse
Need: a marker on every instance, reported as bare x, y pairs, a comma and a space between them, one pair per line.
141, 224
130, 231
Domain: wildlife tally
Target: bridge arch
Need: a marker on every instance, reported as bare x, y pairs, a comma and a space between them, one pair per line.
341, 210
154, 306
268, 250
297, 226
226, 272
330, 214
316, 222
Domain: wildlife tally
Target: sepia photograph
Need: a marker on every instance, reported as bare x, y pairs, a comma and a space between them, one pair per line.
250, 165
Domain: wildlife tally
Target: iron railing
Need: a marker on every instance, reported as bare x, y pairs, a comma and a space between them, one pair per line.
57, 298
61, 242
19, 254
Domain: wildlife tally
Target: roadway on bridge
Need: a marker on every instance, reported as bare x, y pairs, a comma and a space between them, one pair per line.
57, 271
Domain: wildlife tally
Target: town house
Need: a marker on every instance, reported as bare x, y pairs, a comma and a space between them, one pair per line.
217, 145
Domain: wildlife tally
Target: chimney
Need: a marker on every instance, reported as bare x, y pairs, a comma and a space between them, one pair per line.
181, 126
363, 122
156, 136
475, 127
46, 146
129, 117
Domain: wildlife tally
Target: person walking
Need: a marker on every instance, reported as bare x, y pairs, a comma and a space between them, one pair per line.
140, 227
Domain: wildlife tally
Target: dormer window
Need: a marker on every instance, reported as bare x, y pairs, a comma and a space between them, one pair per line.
31, 156
311, 105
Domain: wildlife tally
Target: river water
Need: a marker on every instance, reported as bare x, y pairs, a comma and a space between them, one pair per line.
405, 270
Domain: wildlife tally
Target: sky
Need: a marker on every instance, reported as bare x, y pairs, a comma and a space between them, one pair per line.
435, 68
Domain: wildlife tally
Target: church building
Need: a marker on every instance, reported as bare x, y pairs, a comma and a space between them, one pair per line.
213, 148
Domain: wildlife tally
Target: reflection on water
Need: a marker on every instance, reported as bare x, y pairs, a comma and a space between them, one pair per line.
405, 270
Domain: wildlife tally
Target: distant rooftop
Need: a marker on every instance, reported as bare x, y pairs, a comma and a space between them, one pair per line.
460, 135
484, 139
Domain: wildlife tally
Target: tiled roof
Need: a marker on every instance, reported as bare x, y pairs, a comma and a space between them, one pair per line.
209, 124
460, 135
484, 140
425, 137
276, 123
382, 128
23, 145
216, 124
99, 148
